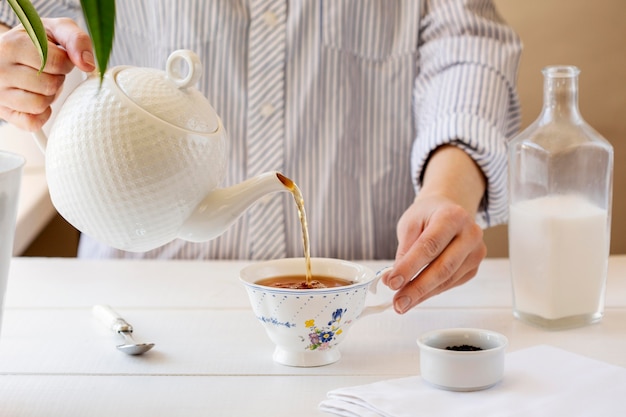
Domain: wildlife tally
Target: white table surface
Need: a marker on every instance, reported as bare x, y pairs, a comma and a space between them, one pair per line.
212, 357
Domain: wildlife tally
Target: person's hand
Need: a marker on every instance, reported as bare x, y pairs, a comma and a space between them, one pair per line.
440, 246
26, 94
439, 238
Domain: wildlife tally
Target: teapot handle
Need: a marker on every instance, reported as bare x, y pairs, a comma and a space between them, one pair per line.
173, 69
41, 139
380, 307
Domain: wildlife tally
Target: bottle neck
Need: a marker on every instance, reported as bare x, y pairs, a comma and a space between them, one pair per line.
560, 94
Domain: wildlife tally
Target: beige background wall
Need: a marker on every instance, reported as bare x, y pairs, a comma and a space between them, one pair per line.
592, 36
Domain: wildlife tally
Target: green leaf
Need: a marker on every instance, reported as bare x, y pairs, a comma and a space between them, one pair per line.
100, 18
29, 18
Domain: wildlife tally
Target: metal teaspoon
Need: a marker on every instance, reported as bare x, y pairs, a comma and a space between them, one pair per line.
115, 322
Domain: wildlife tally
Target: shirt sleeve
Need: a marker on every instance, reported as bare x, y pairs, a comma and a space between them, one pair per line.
45, 8
465, 93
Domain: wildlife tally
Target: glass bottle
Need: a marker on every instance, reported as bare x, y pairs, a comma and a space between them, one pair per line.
560, 189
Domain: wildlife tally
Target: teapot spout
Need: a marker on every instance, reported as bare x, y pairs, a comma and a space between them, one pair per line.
222, 207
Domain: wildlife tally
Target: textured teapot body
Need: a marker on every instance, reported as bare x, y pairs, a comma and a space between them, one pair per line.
121, 175
135, 161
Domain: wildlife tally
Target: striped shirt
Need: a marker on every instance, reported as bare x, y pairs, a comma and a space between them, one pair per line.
365, 90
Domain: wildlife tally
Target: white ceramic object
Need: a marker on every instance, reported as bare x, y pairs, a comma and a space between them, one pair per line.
307, 326
135, 161
11, 166
457, 370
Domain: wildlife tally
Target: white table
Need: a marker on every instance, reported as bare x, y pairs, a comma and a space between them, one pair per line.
212, 358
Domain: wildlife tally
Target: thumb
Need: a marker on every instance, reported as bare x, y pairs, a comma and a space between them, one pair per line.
76, 42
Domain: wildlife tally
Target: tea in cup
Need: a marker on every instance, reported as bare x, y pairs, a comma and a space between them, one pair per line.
308, 322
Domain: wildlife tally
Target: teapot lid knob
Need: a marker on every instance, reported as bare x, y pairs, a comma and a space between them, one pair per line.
193, 71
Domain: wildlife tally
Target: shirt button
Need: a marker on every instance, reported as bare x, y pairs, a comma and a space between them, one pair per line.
270, 19
267, 110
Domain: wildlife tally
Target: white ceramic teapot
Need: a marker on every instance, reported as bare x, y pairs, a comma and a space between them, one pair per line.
135, 162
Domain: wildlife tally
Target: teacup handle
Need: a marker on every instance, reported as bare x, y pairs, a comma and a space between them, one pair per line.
373, 286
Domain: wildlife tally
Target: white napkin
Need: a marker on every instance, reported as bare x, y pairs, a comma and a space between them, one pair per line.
538, 381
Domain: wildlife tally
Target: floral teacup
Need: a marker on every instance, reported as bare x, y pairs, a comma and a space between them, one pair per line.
307, 325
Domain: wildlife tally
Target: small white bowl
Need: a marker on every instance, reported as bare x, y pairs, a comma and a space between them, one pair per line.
462, 370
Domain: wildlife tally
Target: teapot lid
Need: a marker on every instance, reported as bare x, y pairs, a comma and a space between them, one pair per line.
170, 95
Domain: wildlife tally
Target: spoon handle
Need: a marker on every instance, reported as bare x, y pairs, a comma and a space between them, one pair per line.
111, 319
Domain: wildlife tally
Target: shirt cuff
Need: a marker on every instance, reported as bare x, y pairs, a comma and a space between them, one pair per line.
491, 159
475, 109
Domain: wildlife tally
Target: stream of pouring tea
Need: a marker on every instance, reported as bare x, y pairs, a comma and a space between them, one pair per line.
297, 195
